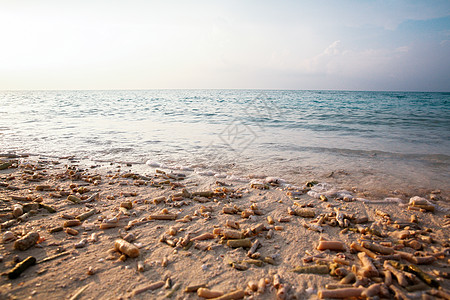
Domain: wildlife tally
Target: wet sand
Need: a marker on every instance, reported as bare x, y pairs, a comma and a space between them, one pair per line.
182, 224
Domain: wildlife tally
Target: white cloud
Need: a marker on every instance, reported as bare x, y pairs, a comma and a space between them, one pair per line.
333, 49
337, 60
153, 44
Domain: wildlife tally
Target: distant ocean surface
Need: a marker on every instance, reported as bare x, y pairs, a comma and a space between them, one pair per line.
381, 140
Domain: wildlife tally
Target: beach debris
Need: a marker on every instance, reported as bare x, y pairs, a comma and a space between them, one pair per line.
319, 269
52, 257
81, 244
229, 210
261, 285
109, 223
71, 231
17, 210
140, 266
349, 278
8, 236
49, 208
368, 270
421, 203
232, 234
72, 223
399, 275
340, 293
8, 224
331, 245
234, 295
172, 291
303, 212
232, 224
20, 267
385, 258
207, 293
163, 217
244, 243
86, 215
27, 241
74, 199
79, 292
204, 236
126, 248
194, 288
92, 198
358, 247
55, 229
313, 227
150, 287
377, 248
419, 273
127, 204
255, 245
6, 165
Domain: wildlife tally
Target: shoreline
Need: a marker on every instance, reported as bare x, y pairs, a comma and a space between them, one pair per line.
160, 209
372, 181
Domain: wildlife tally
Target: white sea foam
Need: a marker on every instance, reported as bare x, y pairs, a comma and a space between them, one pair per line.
205, 173
257, 181
237, 178
394, 200
256, 176
275, 180
183, 168
160, 124
153, 164
313, 194
322, 187
220, 175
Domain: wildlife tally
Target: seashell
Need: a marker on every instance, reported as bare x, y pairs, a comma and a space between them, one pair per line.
81, 244
140, 266
93, 238
91, 270
129, 237
8, 236
253, 218
17, 210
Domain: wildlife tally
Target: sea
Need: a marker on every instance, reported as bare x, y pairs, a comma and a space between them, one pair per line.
380, 141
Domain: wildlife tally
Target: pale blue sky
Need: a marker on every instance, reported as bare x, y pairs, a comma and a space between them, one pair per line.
350, 45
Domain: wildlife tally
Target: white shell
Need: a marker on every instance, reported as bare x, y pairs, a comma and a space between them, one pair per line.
8, 236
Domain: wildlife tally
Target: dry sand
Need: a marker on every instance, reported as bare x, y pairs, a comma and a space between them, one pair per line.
99, 272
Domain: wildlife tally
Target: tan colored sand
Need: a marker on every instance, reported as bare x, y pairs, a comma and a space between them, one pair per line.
111, 279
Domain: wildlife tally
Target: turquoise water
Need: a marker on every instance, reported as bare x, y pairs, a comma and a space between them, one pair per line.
400, 138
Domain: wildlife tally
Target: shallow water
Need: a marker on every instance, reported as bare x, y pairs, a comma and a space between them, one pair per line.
375, 140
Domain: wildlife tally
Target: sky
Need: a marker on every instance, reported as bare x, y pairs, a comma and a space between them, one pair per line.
231, 44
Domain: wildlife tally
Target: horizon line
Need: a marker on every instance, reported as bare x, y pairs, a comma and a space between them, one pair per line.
218, 89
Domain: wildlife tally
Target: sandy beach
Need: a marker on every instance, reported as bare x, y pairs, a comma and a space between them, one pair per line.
224, 150
103, 231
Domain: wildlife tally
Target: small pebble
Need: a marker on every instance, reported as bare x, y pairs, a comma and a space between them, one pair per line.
91, 271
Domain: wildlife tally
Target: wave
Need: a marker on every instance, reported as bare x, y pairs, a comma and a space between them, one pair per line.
432, 157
